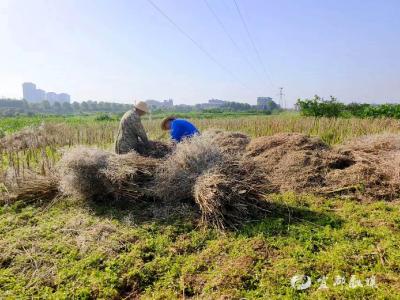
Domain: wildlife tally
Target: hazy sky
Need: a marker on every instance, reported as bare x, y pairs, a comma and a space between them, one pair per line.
123, 50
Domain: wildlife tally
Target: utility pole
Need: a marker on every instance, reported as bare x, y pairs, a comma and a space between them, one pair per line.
281, 101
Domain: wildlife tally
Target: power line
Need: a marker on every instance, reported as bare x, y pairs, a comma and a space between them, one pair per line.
252, 43
230, 37
198, 45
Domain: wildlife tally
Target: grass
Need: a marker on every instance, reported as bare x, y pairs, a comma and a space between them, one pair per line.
332, 131
13, 124
68, 250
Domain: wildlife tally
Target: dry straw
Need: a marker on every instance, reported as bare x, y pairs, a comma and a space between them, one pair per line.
33, 189
176, 176
130, 176
81, 174
227, 187
233, 143
230, 195
98, 175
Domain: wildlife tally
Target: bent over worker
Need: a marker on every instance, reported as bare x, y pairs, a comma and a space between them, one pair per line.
179, 128
131, 134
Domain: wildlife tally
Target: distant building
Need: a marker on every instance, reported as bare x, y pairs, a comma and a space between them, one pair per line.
168, 103
33, 94
29, 91
216, 102
51, 97
155, 104
41, 95
212, 103
63, 97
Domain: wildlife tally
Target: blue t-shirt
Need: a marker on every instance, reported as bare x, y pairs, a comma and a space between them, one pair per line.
181, 129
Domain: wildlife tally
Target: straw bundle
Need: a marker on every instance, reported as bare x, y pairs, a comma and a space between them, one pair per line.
176, 176
230, 196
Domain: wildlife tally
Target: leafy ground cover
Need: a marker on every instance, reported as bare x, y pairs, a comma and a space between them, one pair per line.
68, 249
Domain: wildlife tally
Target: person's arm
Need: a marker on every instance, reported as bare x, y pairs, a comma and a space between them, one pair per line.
142, 133
136, 129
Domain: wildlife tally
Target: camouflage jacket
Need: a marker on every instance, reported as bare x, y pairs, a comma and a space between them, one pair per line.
131, 134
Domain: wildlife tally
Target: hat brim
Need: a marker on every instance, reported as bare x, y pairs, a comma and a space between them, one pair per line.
165, 121
142, 109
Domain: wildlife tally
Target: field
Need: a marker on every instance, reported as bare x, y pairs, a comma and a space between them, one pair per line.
70, 248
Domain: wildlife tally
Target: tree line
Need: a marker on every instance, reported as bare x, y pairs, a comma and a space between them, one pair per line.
332, 108
11, 107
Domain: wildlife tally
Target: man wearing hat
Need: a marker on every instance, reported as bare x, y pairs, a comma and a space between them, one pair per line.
131, 135
179, 128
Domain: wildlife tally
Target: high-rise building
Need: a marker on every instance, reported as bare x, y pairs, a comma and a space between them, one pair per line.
29, 91
40, 95
33, 94
63, 97
51, 97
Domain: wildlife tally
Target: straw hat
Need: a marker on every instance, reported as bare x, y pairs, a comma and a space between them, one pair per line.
165, 121
142, 106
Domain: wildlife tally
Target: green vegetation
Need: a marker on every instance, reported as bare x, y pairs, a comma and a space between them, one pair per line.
318, 107
14, 108
68, 250
13, 124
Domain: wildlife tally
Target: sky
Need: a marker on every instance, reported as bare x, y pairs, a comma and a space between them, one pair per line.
126, 50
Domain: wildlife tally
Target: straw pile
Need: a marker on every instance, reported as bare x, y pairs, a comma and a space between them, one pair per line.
33, 189
231, 195
366, 169
81, 173
232, 143
158, 149
227, 188
375, 172
292, 162
227, 191
176, 176
130, 176
98, 175
89, 174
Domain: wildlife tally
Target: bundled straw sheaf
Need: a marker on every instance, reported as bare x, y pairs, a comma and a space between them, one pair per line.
176, 176
81, 173
33, 189
130, 175
99, 175
230, 195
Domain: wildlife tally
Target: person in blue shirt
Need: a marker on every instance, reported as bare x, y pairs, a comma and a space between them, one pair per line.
179, 128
